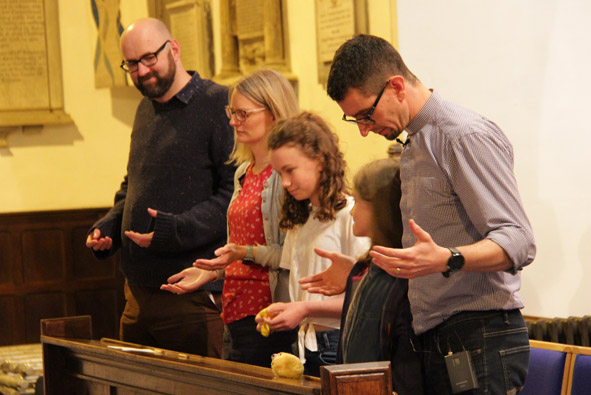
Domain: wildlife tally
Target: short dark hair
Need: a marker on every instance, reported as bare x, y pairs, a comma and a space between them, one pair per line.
365, 62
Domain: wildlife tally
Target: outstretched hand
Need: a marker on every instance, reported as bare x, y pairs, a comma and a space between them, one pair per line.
333, 280
142, 239
225, 255
423, 258
188, 280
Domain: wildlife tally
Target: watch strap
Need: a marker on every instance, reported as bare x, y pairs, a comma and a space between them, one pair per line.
249, 257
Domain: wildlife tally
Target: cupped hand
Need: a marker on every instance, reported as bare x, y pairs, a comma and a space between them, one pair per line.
97, 241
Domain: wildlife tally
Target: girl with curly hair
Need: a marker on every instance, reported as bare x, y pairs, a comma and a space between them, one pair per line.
316, 214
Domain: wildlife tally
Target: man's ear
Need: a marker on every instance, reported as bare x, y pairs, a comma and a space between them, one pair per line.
175, 48
399, 84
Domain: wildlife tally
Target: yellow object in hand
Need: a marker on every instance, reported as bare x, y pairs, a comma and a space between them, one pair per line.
264, 326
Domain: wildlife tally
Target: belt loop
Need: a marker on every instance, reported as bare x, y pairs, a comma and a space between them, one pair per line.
506, 316
326, 342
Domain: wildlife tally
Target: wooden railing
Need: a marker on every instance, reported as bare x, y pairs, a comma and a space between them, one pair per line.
75, 364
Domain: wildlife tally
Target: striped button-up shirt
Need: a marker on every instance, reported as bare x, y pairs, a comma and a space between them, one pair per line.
458, 185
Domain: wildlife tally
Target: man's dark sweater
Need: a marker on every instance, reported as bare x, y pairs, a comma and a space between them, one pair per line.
177, 167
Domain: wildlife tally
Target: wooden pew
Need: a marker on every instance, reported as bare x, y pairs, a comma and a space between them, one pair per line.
75, 364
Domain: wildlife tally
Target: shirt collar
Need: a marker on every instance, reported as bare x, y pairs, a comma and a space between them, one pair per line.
185, 94
425, 114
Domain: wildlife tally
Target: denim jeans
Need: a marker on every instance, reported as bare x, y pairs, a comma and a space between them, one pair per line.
328, 342
498, 344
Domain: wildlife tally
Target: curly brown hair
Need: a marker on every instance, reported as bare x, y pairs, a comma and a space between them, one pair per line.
312, 135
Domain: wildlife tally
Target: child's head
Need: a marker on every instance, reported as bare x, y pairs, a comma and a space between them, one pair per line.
262, 89
376, 188
305, 152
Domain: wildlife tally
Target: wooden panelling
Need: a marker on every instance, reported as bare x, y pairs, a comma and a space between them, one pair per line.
46, 271
43, 255
8, 314
5, 258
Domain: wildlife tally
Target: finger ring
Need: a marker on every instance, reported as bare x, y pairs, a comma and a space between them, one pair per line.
398, 270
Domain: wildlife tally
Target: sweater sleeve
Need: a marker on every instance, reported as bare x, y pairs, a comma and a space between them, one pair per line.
110, 224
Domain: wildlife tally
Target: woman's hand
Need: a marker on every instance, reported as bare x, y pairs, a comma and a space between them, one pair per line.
225, 255
189, 280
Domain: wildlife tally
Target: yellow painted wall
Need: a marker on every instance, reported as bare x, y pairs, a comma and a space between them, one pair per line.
81, 165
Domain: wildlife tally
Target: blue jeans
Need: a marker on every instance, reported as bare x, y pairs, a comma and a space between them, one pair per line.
328, 343
498, 344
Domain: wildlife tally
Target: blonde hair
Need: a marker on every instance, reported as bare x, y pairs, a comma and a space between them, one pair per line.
271, 90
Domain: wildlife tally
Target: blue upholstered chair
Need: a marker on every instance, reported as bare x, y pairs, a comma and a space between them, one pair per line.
580, 372
549, 366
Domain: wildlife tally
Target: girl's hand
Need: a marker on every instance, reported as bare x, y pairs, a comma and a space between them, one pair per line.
189, 280
282, 316
225, 255
333, 280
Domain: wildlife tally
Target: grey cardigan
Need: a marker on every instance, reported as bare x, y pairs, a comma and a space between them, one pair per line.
270, 253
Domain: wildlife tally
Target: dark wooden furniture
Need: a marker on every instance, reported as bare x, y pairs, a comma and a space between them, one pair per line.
373, 378
47, 271
74, 364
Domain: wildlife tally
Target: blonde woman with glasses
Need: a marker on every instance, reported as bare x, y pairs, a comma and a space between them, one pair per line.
250, 260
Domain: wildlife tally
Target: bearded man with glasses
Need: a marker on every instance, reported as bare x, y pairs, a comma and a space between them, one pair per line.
171, 207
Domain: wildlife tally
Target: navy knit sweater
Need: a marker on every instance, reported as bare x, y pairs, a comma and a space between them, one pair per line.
177, 167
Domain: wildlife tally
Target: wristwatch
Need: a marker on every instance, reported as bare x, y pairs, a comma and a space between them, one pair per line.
249, 257
455, 262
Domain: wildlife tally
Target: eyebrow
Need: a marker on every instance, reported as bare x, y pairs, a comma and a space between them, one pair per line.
361, 112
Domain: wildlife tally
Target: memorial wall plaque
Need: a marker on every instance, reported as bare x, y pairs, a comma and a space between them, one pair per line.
189, 22
253, 36
30, 65
336, 22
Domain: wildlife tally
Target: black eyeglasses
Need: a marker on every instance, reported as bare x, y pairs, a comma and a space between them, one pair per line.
149, 59
366, 120
241, 115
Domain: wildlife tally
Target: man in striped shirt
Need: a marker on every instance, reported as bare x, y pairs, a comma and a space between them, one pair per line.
466, 235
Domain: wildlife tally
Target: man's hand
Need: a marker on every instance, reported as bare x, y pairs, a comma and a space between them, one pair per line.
98, 242
189, 280
225, 255
282, 316
424, 258
142, 239
333, 280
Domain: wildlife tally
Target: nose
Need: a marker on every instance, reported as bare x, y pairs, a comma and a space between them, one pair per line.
233, 121
285, 182
364, 129
142, 70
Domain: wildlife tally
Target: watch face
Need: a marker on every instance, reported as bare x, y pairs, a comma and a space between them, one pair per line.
455, 262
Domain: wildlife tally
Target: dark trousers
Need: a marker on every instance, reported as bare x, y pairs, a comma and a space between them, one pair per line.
328, 344
187, 323
498, 344
247, 345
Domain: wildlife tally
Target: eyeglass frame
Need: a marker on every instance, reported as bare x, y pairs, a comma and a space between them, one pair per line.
230, 112
125, 63
366, 120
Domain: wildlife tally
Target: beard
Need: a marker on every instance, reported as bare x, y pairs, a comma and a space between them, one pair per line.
393, 135
163, 83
